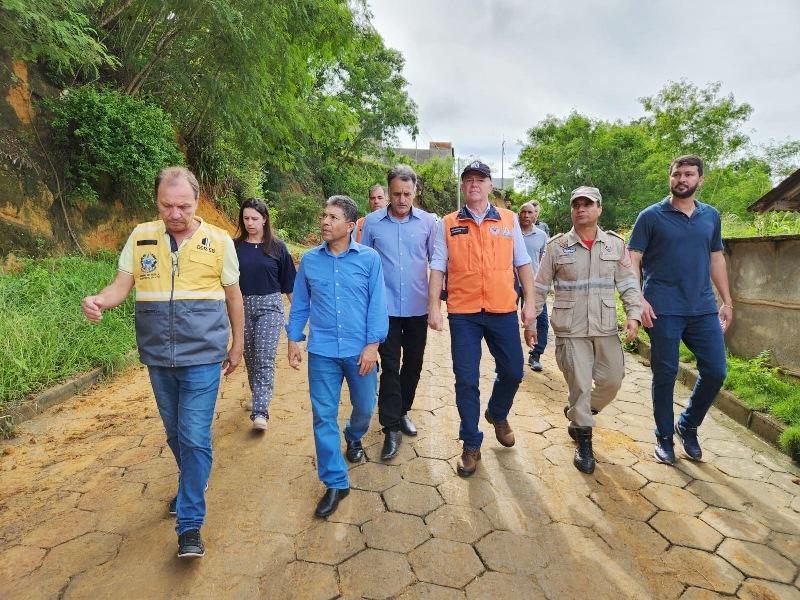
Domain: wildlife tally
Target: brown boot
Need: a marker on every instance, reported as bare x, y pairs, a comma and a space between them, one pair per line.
468, 462
502, 431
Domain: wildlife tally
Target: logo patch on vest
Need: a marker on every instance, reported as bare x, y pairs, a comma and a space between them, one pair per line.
494, 229
459, 230
205, 245
506, 232
148, 262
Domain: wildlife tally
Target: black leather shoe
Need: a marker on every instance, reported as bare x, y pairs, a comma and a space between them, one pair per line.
407, 426
391, 444
355, 451
327, 505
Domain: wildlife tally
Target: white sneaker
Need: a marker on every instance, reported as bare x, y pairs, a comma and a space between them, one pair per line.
260, 423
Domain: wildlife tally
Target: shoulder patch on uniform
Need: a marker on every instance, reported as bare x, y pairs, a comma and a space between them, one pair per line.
615, 234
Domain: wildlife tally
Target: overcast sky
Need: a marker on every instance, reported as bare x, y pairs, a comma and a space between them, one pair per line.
481, 70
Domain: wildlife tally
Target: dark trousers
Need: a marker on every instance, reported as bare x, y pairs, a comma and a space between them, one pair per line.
542, 327
406, 337
501, 332
703, 336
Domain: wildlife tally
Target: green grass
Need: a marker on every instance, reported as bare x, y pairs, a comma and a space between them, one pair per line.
755, 383
44, 337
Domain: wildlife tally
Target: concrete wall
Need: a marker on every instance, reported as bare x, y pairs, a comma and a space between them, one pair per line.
765, 285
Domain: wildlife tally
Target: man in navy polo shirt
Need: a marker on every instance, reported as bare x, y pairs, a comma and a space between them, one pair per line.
677, 243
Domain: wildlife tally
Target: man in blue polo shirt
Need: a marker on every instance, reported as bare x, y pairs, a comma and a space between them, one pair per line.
677, 243
339, 291
403, 235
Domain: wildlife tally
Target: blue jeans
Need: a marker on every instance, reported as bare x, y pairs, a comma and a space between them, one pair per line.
501, 332
325, 375
186, 397
703, 336
542, 327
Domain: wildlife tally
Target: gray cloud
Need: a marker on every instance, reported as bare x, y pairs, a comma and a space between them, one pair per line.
483, 69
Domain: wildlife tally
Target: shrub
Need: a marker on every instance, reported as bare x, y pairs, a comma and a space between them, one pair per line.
111, 143
298, 216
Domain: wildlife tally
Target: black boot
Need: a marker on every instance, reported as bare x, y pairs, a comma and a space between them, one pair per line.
354, 452
584, 457
391, 445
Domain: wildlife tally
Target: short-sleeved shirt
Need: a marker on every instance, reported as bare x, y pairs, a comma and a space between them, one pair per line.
535, 241
263, 274
230, 263
676, 257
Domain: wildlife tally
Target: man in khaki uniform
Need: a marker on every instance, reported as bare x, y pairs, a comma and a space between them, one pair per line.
586, 265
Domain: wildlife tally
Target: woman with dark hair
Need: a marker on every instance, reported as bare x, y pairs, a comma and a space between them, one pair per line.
266, 271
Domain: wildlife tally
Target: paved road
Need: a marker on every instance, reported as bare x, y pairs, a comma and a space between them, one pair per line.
84, 491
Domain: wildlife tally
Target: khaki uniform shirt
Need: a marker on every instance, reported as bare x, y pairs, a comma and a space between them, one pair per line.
584, 283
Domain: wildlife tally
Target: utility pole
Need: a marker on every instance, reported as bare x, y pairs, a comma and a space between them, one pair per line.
502, 161
458, 187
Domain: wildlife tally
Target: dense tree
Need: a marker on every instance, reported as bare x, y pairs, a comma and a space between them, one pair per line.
629, 161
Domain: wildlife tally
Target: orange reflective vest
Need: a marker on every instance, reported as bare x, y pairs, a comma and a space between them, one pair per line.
480, 262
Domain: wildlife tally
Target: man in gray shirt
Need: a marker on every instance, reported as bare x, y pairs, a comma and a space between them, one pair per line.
535, 240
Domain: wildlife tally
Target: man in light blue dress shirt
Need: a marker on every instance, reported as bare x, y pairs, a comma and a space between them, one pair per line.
339, 291
403, 235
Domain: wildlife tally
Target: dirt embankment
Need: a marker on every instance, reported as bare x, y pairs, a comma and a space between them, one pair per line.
32, 220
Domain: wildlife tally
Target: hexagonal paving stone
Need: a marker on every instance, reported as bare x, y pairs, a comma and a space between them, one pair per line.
758, 589
734, 524
788, 545
359, 507
427, 471
518, 516
445, 562
511, 553
623, 503
375, 574
412, 498
19, 561
68, 526
502, 586
757, 560
80, 554
467, 491
788, 482
374, 476
304, 580
329, 543
673, 499
701, 569
718, 494
395, 532
727, 448
619, 476
458, 523
630, 536
685, 530
742, 468
695, 593
428, 591
660, 473
437, 447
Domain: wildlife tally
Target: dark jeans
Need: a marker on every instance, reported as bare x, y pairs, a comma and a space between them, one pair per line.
501, 332
542, 327
399, 383
703, 336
